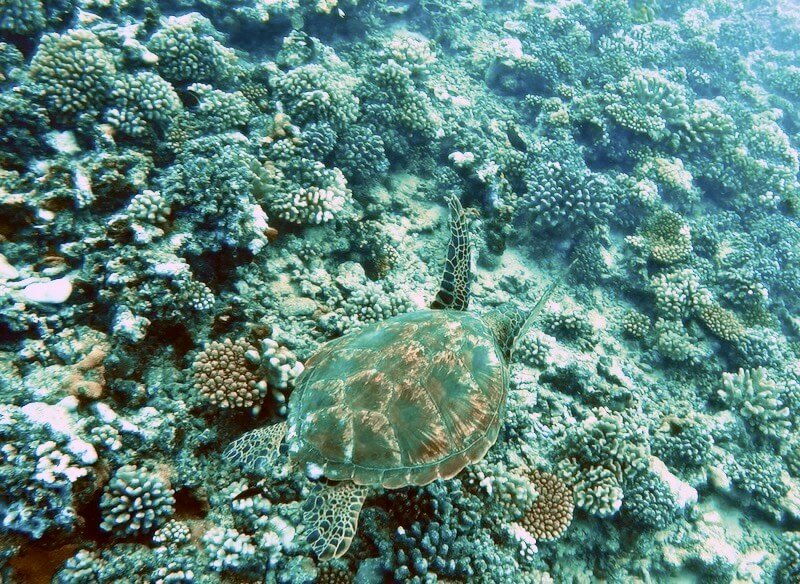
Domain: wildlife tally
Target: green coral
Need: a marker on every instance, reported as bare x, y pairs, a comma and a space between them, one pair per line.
646, 102
666, 237
189, 51
759, 401
142, 101
602, 456
73, 72
135, 501
22, 17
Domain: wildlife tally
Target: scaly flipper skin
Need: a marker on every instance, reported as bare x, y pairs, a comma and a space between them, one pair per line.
330, 517
258, 449
454, 289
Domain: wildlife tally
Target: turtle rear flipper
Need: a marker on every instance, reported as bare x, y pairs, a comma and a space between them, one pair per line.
454, 289
330, 517
258, 449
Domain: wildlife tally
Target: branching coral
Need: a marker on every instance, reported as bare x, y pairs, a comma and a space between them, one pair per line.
189, 51
142, 101
135, 501
758, 400
648, 103
666, 238
320, 200
314, 93
73, 72
562, 194
224, 375
42, 461
550, 514
759, 476
649, 503
211, 188
601, 456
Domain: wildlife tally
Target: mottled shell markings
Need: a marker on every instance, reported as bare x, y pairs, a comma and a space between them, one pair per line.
401, 396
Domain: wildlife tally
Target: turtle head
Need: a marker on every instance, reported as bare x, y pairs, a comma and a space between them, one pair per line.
509, 322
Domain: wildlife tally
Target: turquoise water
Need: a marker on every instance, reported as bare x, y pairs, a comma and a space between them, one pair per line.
196, 196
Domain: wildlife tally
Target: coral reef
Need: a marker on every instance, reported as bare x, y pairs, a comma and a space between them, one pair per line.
197, 196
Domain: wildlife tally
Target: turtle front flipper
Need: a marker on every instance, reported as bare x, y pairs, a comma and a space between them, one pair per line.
330, 517
257, 449
454, 289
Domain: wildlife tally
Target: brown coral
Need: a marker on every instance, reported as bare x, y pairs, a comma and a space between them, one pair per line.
334, 573
226, 377
551, 512
723, 323
668, 237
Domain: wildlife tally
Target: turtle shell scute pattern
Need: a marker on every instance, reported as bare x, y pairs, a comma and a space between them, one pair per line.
401, 402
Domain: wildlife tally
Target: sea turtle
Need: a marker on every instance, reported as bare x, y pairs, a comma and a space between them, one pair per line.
400, 402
